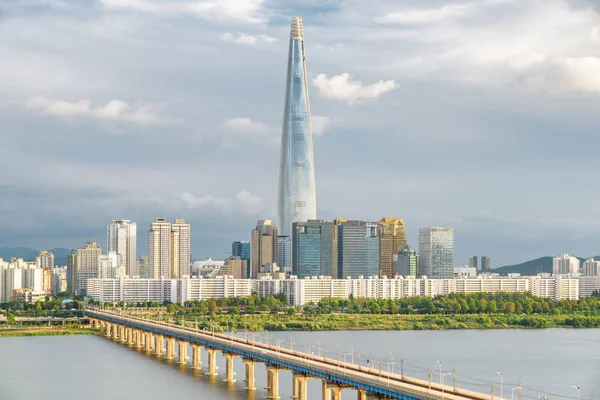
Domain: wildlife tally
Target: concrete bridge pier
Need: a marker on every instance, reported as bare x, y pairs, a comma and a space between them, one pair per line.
299, 386
122, 333
148, 339
212, 361
170, 348
250, 374
138, 338
335, 390
158, 347
182, 352
273, 382
130, 337
115, 331
229, 367
107, 327
196, 361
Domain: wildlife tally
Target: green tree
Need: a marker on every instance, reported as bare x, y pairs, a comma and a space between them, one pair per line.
212, 306
170, 308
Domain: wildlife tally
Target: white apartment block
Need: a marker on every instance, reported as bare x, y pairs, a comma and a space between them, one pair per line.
304, 291
591, 267
565, 264
18, 277
169, 249
588, 284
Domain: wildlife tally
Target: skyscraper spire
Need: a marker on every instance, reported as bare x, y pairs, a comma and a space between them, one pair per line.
297, 195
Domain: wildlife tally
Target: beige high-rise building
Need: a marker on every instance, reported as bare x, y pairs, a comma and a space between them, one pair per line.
263, 247
180, 248
234, 266
169, 249
392, 237
45, 259
121, 238
87, 265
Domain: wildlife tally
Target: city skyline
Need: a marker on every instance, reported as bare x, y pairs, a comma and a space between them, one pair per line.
437, 128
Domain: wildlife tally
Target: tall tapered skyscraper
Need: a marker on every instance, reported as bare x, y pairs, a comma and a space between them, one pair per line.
297, 198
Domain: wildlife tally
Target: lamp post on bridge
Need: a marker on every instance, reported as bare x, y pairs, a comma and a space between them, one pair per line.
441, 377
319, 346
501, 390
352, 352
578, 392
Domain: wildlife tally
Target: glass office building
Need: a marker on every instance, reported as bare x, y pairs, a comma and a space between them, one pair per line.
436, 251
314, 249
296, 197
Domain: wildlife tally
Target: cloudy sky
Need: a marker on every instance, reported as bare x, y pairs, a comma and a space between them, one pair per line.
477, 114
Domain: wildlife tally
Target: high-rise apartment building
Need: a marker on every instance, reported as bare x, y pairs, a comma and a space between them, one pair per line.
241, 249
392, 237
407, 263
486, 264
436, 252
284, 252
180, 248
169, 249
87, 265
143, 267
121, 238
159, 249
264, 246
358, 248
71, 271
565, 264
297, 195
473, 262
591, 267
45, 260
234, 266
314, 249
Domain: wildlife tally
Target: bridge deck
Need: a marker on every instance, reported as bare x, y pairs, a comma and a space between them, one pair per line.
345, 374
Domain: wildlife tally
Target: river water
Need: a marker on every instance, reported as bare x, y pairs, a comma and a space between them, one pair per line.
548, 363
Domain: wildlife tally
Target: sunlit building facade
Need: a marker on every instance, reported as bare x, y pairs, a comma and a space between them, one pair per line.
392, 238
436, 252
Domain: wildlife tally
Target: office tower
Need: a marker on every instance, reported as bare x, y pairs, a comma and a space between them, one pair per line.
284, 252
241, 249
314, 249
358, 248
121, 238
407, 263
473, 262
297, 195
565, 264
392, 237
486, 264
87, 265
143, 267
45, 259
591, 267
436, 251
264, 246
234, 266
71, 271
180, 248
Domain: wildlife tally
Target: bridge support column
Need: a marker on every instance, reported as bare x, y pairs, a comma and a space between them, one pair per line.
107, 327
273, 382
336, 391
196, 363
300, 386
138, 339
122, 334
212, 361
130, 337
250, 374
158, 347
182, 352
170, 348
229, 367
325, 391
116, 332
148, 341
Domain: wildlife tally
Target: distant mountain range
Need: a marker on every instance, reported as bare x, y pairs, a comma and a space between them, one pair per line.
29, 254
532, 267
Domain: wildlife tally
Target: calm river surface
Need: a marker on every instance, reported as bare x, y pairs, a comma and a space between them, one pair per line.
548, 362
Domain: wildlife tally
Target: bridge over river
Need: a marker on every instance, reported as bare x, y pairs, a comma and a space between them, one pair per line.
371, 383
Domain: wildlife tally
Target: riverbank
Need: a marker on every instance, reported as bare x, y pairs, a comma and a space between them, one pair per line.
45, 331
356, 322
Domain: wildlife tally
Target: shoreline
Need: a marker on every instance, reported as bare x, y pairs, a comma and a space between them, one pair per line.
45, 331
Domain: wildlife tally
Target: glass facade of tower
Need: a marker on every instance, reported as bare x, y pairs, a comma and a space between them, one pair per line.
296, 197
241, 249
436, 251
314, 249
358, 249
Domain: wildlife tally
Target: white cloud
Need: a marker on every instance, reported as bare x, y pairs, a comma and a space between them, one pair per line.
428, 16
341, 87
319, 124
246, 126
249, 203
193, 201
141, 113
583, 73
239, 10
244, 202
242, 38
